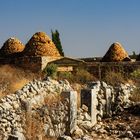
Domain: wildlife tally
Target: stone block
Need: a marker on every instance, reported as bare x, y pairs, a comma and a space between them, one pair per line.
72, 97
108, 102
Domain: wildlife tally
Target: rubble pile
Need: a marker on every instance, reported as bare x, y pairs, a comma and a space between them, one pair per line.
29, 99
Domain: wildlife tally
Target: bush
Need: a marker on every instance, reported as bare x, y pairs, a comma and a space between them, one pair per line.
80, 76
51, 70
83, 76
65, 75
114, 78
135, 74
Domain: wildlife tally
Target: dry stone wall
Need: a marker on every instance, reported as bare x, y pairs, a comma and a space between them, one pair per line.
109, 100
30, 99
55, 103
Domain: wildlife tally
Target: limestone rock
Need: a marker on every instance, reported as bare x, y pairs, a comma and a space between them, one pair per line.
86, 125
41, 45
87, 117
11, 47
84, 108
64, 137
116, 53
86, 137
17, 136
77, 133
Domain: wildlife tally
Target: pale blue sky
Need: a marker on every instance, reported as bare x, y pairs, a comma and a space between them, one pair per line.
87, 27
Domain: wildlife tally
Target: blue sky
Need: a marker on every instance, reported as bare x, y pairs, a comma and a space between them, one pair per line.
87, 27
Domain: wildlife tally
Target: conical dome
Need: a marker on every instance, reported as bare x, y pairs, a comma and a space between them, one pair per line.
40, 45
11, 46
115, 53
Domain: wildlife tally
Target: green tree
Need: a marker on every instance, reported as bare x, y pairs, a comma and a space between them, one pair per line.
56, 40
134, 56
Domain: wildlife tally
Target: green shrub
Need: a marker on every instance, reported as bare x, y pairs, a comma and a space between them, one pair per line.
65, 75
51, 70
135, 74
81, 76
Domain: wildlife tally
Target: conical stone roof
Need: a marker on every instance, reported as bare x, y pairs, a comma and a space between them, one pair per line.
40, 45
115, 53
11, 46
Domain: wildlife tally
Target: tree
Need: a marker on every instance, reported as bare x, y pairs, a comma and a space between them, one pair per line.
56, 40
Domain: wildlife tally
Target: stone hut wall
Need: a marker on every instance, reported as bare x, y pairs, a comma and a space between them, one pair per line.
32, 63
28, 63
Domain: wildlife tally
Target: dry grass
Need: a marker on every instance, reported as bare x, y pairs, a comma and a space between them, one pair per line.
136, 95
34, 126
114, 78
52, 99
19, 84
34, 129
13, 79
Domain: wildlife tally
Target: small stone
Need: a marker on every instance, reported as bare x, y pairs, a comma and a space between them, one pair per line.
87, 117
85, 108
51, 133
46, 128
104, 85
20, 135
129, 134
86, 124
77, 133
64, 137
87, 138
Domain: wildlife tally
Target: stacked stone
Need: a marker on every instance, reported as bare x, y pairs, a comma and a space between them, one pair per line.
55, 119
41, 45
11, 46
31, 97
116, 53
111, 100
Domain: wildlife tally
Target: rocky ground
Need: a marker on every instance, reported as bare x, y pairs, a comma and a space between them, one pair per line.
123, 126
